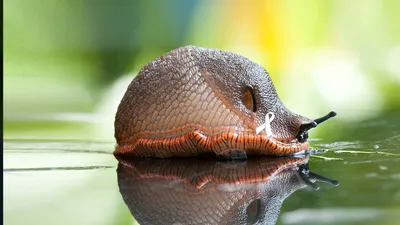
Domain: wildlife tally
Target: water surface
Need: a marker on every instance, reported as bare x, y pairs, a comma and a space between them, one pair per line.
76, 182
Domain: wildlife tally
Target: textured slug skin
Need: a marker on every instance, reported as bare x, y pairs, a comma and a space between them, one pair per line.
189, 102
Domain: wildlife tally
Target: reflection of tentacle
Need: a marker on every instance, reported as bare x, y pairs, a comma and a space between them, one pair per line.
310, 178
308, 182
323, 179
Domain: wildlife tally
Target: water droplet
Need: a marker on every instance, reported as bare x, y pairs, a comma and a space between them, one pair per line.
383, 168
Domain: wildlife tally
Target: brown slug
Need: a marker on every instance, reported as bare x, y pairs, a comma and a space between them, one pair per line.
194, 101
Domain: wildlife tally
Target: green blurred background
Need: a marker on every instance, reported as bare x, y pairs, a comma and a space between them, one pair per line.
63, 59
67, 64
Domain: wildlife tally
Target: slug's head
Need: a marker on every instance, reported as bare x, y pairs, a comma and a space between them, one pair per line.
289, 127
247, 90
300, 132
302, 135
262, 101
285, 126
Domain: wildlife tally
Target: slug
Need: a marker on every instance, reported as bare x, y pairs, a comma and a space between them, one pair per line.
196, 101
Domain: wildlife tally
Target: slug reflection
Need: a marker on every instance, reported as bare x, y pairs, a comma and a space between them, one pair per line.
205, 191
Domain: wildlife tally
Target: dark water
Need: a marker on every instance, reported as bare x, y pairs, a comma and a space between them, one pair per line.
54, 182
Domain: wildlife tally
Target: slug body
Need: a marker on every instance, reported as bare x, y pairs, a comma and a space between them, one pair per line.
193, 101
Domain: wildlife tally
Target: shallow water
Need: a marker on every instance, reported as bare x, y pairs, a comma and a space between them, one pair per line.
76, 182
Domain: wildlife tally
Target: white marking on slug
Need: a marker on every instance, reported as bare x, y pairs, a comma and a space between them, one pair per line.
267, 125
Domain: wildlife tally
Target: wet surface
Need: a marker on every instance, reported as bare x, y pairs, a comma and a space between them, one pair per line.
66, 182
59, 183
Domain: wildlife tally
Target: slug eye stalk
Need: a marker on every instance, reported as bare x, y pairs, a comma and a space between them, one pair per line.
302, 136
326, 117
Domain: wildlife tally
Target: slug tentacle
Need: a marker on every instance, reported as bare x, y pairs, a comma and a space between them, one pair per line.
326, 117
302, 136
